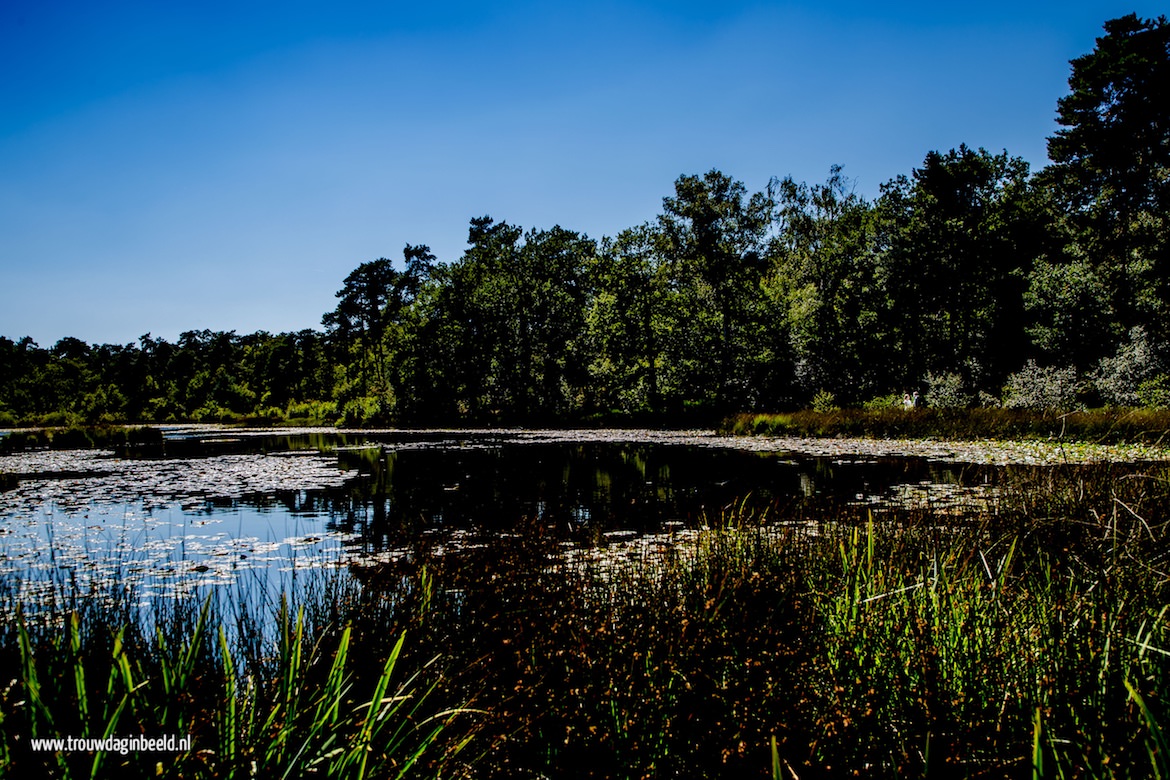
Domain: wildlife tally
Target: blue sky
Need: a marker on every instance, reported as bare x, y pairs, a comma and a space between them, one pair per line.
172, 166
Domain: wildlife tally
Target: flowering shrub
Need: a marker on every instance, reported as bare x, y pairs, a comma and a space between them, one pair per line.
946, 391
1045, 388
1120, 379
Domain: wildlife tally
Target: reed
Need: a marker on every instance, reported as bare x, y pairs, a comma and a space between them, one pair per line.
1026, 641
1096, 425
301, 703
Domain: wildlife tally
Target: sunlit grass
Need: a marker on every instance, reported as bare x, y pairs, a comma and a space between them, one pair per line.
1100, 425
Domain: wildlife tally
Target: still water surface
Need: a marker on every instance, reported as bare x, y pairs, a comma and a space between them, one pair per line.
210, 506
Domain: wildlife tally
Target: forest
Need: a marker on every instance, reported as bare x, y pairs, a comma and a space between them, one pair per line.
972, 281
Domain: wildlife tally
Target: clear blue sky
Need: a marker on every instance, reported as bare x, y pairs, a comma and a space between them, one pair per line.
172, 166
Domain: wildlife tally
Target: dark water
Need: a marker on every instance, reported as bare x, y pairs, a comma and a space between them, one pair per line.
595, 487
214, 505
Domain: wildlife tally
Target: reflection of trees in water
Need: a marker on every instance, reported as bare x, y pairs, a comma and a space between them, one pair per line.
580, 490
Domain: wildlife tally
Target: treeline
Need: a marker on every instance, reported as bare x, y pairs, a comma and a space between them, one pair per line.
971, 281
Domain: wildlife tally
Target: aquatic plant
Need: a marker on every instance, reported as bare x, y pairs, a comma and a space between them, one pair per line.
274, 696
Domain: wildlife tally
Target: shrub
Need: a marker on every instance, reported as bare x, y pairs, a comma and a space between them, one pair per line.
213, 412
312, 411
103, 405
824, 401
947, 391
1041, 388
58, 419
363, 411
1155, 393
891, 401
270, 414
1120, 379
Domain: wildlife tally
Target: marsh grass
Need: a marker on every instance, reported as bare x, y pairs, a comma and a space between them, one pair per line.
293, 693
1031, 639
1098, 425
1028, 641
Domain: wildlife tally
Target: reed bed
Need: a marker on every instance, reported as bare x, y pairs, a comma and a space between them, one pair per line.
291, 689
1030, 639
1111, 426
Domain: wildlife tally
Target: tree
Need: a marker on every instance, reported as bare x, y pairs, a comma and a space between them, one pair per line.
21, 367
627, 323
956, 242
360, 319
1113, 151
503, 327
550, 282
482, 307
1111, 167
1070, 310
824, 277
371, 307
203, 376
713, 236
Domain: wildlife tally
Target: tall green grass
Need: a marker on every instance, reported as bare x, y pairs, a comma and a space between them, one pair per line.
298, 698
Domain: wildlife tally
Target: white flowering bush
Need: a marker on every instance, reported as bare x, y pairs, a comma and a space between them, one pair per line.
1120, 379
1041, 388
947, 391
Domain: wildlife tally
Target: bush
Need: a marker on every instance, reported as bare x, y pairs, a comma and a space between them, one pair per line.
1155, 393
1041, 388
824, 401
947, 391
315, 412
1120, 379
214, 413
364, 411
270, 414
57, 419
891, 401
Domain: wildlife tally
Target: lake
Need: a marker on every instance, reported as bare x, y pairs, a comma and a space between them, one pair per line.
215, 506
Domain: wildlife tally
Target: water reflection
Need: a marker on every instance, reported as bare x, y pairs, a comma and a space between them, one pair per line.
589, 488
206, 507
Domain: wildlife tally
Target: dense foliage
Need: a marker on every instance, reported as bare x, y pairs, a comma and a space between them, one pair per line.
972, 281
